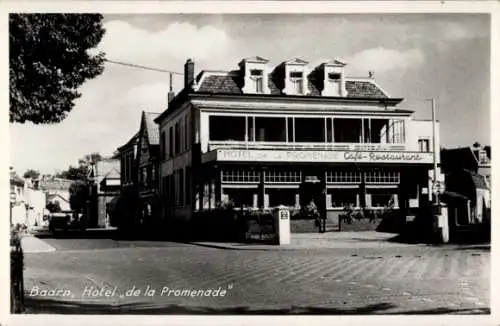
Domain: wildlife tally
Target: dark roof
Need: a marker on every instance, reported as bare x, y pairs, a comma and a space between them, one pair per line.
130, 142
232, 85
479, 181
152, 128
458, 158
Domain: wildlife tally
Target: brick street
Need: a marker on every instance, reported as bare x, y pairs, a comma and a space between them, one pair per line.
405, 279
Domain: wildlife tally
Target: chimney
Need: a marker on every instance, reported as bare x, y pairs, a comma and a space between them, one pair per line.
188, 73
371, 74
171, 93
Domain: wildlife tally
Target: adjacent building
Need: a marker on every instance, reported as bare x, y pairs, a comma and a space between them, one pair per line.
139, 168
262, 136
105, 185
468, 183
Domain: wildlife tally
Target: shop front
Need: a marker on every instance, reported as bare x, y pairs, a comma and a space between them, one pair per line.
332, 180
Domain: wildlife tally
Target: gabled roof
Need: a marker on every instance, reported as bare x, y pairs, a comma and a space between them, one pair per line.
336, 62
130, 142
296, 61
255, 59
152, 127
113, 174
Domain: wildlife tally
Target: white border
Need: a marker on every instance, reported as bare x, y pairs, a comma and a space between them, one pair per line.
323, 7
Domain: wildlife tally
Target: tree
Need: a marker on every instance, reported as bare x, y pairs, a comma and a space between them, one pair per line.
49, 61
81, 171
32, 174
79, 193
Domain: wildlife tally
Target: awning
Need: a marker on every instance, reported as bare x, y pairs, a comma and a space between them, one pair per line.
453, 196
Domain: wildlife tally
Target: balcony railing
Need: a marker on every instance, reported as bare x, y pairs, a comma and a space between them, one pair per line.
212, 145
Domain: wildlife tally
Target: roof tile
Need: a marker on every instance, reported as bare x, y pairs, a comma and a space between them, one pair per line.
220, 84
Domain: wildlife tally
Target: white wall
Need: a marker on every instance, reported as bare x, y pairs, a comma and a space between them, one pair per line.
418, 129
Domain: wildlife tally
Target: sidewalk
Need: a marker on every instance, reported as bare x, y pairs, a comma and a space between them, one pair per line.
32, 244
329, 240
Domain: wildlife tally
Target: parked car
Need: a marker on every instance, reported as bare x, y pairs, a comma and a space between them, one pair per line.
67, 220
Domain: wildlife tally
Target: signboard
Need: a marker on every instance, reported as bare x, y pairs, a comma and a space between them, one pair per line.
238, 155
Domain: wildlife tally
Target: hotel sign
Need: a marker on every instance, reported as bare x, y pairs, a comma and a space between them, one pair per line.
239, 155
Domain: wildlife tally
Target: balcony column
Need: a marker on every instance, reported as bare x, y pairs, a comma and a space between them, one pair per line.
218, 185
362, 190
262, 189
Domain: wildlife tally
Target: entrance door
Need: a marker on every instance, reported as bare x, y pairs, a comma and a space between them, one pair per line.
312, 190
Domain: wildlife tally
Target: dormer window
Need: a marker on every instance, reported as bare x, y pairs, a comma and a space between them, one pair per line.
255, 75
296, 79
333, 76
333, 84
257, 78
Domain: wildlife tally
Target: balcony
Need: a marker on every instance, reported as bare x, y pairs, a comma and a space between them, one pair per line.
213, 145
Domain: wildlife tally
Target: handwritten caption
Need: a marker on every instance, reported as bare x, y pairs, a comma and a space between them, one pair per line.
148, 291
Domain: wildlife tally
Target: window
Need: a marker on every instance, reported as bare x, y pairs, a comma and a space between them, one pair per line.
270, 129
281, 196
162, 146
343, 197
181, 187
226, 128
171, 141
177, 139
423, 145
256, 75
241, 197
343, 177
240, 176
387, 177
309, 130
334, 83
380, 199
297, 81
187, 141
334, 76
273, 176
347, 130
188, 186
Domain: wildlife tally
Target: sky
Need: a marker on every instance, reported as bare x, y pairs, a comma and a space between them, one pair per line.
414, 56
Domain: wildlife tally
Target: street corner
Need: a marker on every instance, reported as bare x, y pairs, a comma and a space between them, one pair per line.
32, 244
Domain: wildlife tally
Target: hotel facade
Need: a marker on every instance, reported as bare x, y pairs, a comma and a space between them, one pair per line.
262, 136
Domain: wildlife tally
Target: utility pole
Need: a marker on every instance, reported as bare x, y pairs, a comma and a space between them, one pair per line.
434, 150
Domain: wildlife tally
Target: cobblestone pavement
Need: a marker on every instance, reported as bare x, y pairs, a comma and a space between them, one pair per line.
408, 280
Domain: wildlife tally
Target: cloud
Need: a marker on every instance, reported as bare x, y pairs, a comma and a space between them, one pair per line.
123, 41
456, 32
382, 60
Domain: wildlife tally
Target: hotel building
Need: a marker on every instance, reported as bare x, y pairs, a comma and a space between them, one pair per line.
264, 136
